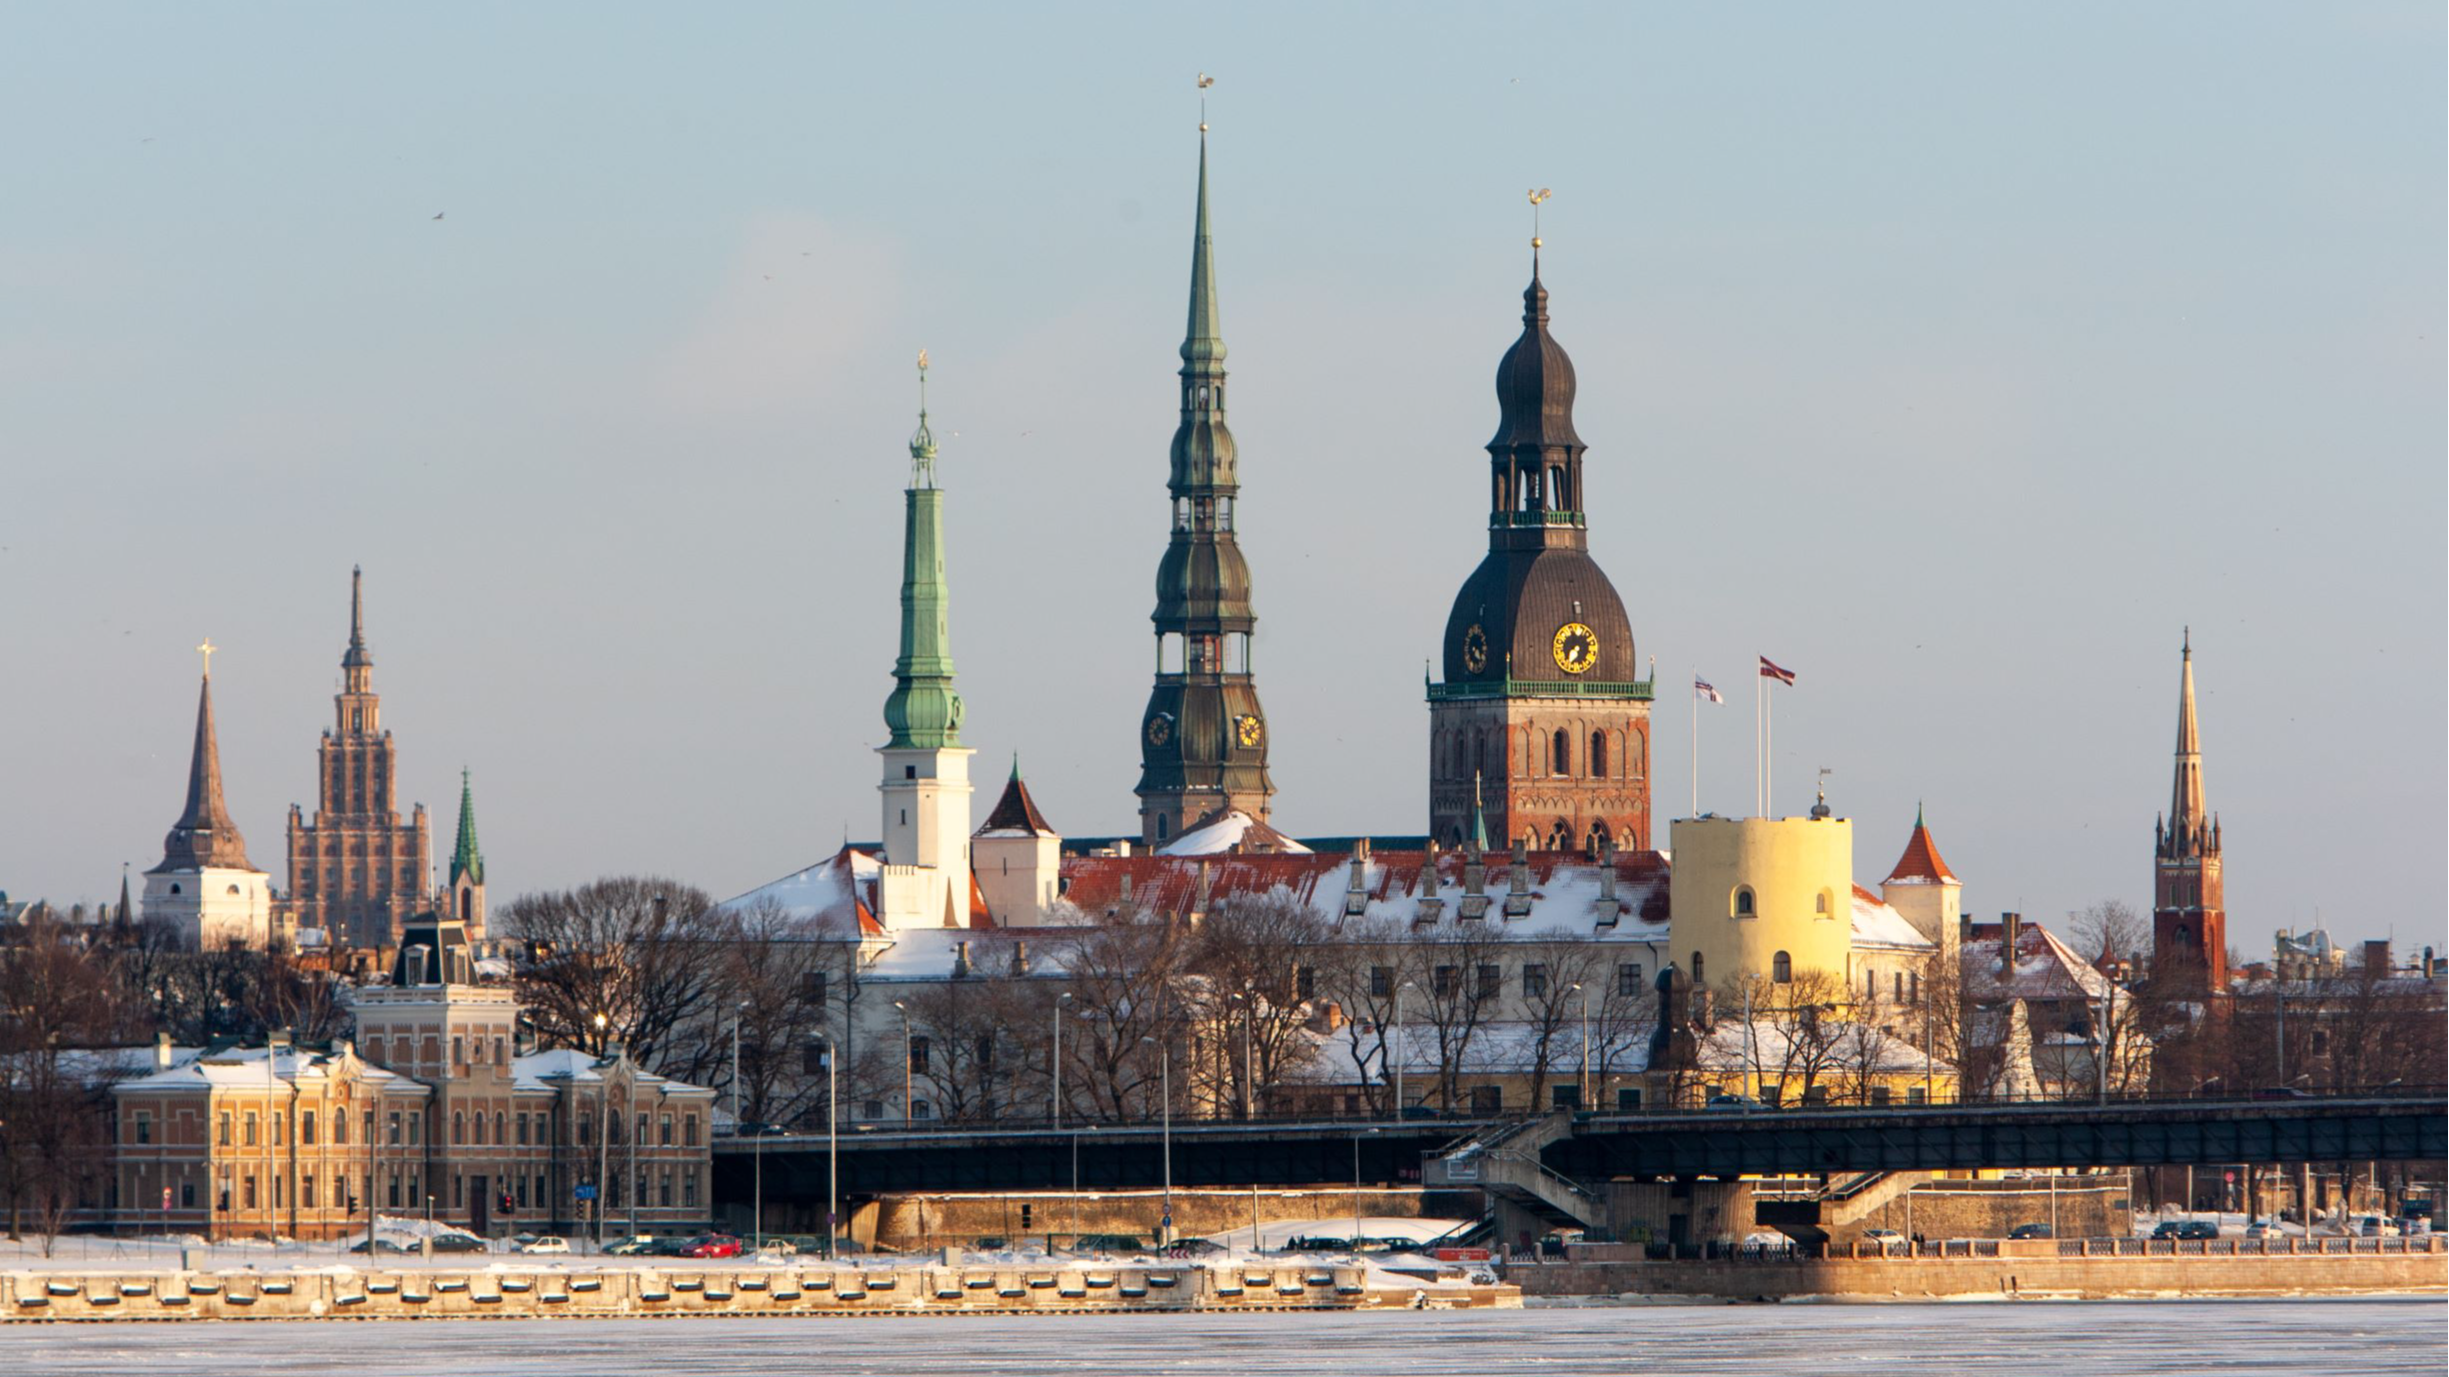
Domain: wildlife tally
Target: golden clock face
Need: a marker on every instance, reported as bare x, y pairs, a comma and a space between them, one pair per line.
1248, 729
1160, 729
1576, 648
1475, 649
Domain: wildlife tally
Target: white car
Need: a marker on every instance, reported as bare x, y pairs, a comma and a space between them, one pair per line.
549, 1243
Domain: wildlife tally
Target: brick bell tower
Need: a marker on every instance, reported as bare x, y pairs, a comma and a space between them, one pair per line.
1541, 714
2189, 910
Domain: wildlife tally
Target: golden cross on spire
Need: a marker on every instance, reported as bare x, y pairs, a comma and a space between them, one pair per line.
1537, 199
206, 650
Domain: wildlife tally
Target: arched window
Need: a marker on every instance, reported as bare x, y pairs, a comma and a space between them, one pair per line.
459, 1128
1699, 981
1598, 837
1479, 752
467, 905
1598, 755
1781, 969
1563, 761
1560, 837
1743, 902
1819, 903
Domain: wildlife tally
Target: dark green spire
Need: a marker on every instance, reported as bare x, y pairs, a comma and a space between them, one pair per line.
466, 859
1479, 818
1203, 341
923, 711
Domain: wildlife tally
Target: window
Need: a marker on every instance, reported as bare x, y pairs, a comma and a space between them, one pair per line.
1441, 984
919, 1049
663, 1189
1534, 982
2321, 1042
1628, 1098
1381, 981
306, 1190
586, 1129
1487, 1099
1781, 969
459, 1128
1743, 902
144, 1127
393, 1188
340, 1126
1880, 1097
394, 1139
1561, 758
1913, 986
812, 1059
1870, 986
522, 1192
187, 1195
1598, 754
522, 1129
1491, 982
250, 1190
667, 1137
812, 986
1160, 827
499, 1137
871, 1109
688, 1130
920, 1109
498, 1049
1565, 1095
1915, 1094
1819, 903
416, 1128
688, 1188
1699, 982
280, 1127
642, 1139
306, 1129
1628, 980
1305, 982
1897, 986
250, 1129
458, 1051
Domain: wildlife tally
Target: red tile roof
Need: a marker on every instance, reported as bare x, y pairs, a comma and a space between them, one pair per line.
1921, 863
1016, 811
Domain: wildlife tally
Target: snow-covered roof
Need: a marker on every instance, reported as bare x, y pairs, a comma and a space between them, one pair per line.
244, 1068
2045, 968
97, 1066
1840, 1043
1219, 836
834, 897
568, 1066
1878, 925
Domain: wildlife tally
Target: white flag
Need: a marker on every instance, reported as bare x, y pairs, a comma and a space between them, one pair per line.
1701, 689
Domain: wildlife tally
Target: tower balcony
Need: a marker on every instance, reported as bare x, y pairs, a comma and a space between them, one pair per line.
1499, 520
1640, 690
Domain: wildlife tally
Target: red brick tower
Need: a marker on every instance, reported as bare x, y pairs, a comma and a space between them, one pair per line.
2189, 918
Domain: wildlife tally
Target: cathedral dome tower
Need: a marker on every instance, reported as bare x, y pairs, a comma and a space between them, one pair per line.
1541, 697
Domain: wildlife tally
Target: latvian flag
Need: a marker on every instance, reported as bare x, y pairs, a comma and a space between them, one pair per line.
1769, 670
1701, 689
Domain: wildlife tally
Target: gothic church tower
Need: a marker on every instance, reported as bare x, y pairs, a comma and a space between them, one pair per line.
205, 889
2189, 905
1203, 738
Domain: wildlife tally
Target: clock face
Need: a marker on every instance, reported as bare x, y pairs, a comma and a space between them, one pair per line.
1475, 649
1248, 729
1576, 648
1160, 729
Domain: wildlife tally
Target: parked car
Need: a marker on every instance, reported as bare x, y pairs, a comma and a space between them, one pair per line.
456, 1242
2281, 1092
777, 1247
711, 1245
381, 1245
1724, 1101
2195, 1229
994, 1243
2033, 1230
1882, 1237
636, 1245
1108, 1243
545, 1243
2372, 1226
2258, 1229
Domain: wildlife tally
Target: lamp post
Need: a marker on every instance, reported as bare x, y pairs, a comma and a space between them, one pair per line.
908, 1109
833, 1148
1054, 1101
1394, 1047
603, 1158
1249, 1091
1578, 988
1165, 1106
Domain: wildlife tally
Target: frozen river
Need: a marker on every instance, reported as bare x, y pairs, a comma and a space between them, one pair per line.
2142, 1337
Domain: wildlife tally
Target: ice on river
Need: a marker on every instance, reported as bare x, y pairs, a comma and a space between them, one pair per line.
2144, 1338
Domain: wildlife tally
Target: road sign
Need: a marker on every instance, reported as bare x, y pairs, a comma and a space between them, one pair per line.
586, 1192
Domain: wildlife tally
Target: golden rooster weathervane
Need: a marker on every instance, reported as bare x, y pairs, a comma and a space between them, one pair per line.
1537, 199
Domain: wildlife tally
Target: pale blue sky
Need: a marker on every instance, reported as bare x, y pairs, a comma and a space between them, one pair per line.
1955, 356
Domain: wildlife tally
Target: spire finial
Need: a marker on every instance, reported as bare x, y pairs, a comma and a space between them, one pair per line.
357, 604
1917, 812
206, 650
2187, 649
1205, 81
1538, 199
922, 440
1015, 764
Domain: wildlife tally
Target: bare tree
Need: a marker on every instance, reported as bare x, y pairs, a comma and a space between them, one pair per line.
2107, 931
1362, 973
645, 954
1459, 971
1130, 1014
1258, 959
56, 1001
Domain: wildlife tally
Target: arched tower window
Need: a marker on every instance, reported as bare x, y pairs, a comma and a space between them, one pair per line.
1479, 752
1744, 907
1560, 836
1781, 969
1598, 755
1562, 747
1598, 837
1699, 981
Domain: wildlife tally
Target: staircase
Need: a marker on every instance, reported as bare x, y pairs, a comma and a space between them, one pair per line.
1505, 1161
1845, 1200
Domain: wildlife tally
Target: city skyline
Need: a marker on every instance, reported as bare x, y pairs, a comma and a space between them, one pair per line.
1966, 455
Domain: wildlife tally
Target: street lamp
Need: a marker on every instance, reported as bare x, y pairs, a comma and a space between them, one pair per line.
1394, 1047
1585, 994
603, 1150
1055, 1100
833, 1148
909, 1109
756, 1151
1165, 1103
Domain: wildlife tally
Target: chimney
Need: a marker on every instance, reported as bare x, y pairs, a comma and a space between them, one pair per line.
1020, 958
1126, 886
2010, 931
1360, 851
1522, 850
960, 960
2376, 957
161, 1050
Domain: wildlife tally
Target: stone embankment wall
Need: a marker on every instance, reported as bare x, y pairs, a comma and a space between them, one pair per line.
718, 1290
925, 1222
2096, 1277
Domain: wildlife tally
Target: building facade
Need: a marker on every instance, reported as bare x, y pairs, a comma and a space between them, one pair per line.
205, 890
1203, 737
2189, 907
356, 872
1543, 716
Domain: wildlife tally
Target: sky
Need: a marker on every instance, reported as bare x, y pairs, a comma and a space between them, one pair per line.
1956, 357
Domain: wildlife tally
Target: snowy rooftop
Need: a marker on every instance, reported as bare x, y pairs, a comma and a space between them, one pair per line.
246, 1067
1219, 836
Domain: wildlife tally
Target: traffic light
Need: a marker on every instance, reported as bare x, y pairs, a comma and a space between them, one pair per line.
506, 1207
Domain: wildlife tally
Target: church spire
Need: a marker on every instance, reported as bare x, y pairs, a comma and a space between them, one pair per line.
923, 711
204, 836
1203, 340
2186, 815
466, 858
356, 665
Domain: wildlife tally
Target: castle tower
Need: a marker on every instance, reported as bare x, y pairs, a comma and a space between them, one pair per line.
1540, 700
205, 889
1018, 858
467, 882
1203, 738
2189, 914
356, 871
925, 881
1925, 892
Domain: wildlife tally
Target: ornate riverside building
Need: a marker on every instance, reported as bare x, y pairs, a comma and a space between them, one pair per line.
1203, 739
1541, 716
357, 872
2189, 909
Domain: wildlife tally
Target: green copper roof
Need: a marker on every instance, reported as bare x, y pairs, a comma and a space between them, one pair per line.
1203, 342
466, 859
923, 711
1479, 817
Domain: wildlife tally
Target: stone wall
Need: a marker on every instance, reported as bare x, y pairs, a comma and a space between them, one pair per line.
1941, 1210
2090, 1278
919, 1222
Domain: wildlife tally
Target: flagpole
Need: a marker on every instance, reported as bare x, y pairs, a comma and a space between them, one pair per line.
1695, 743
1757, 690
1768, 754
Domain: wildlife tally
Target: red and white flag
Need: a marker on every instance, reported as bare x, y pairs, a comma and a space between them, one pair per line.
1769, 670
1701, 689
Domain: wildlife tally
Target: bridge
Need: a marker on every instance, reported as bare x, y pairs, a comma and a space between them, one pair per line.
877, 1159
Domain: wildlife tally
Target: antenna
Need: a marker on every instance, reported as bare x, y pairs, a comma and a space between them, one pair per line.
1538, 198
1205, 81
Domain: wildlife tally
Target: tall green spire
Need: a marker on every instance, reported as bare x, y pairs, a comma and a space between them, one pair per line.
466, 859
1479, 818
1203, 341
923, 711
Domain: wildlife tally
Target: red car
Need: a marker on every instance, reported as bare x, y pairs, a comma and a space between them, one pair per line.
712, 1245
